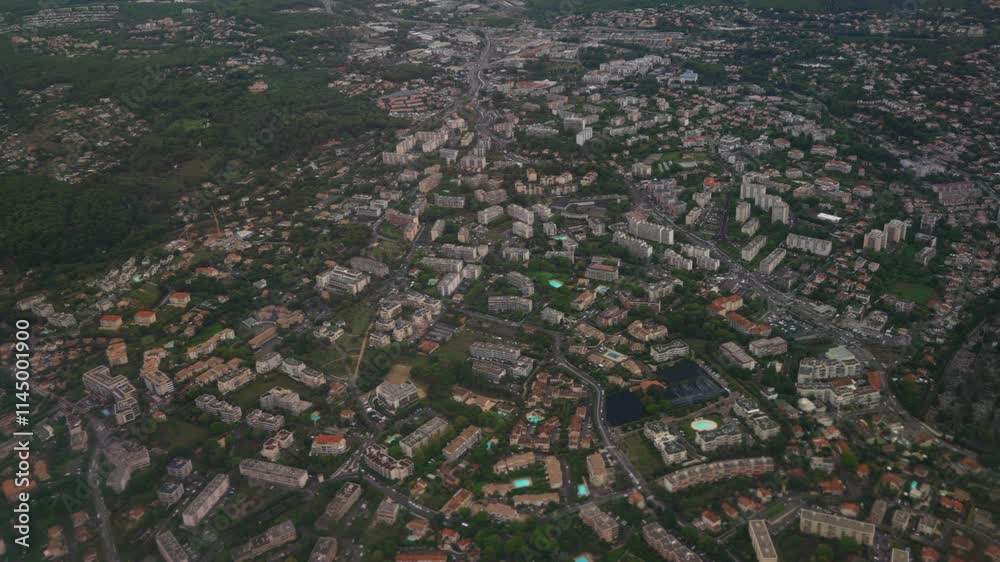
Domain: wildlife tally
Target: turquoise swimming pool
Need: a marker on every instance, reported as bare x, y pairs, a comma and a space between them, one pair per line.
522, 482
582, 490
703, 425
555, 283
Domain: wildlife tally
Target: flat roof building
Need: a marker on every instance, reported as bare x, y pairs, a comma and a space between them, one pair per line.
203, 503
494, 352
342, 280
378, 459
274, 473
342, 502
324, 551
836, 527
430, 430
666, 545
170, 549
734, 354
396, 396
278, 535
760, 536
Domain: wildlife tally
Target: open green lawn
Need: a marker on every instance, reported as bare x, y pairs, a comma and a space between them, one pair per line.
186, 125
147, 294
174, 434
643, 455
333, 360
357, 317
775, 510
456, 347
247, 397
389, 251
916, 292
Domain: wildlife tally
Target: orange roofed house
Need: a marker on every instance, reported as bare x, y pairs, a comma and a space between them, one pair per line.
145, 317
111, 322
328, 445
723, 305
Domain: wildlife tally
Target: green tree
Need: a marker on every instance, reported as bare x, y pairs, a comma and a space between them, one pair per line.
824, 553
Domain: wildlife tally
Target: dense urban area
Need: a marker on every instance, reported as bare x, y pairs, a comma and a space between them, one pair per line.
518, 280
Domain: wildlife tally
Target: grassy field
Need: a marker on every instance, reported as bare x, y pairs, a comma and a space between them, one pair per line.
389, 251
179, 434
456, 347
340, 358
775, 510
147, 294
248, 396
357, 317
333, 360
643, 455
915, 292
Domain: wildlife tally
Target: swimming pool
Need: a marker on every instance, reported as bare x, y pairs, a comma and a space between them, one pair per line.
582, 490
702, 424
555, 283
522, 482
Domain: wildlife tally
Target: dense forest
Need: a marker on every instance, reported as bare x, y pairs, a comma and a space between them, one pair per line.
198, 131
45, 221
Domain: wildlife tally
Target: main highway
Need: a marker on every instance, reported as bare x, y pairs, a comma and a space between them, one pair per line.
801, 309
96, 484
